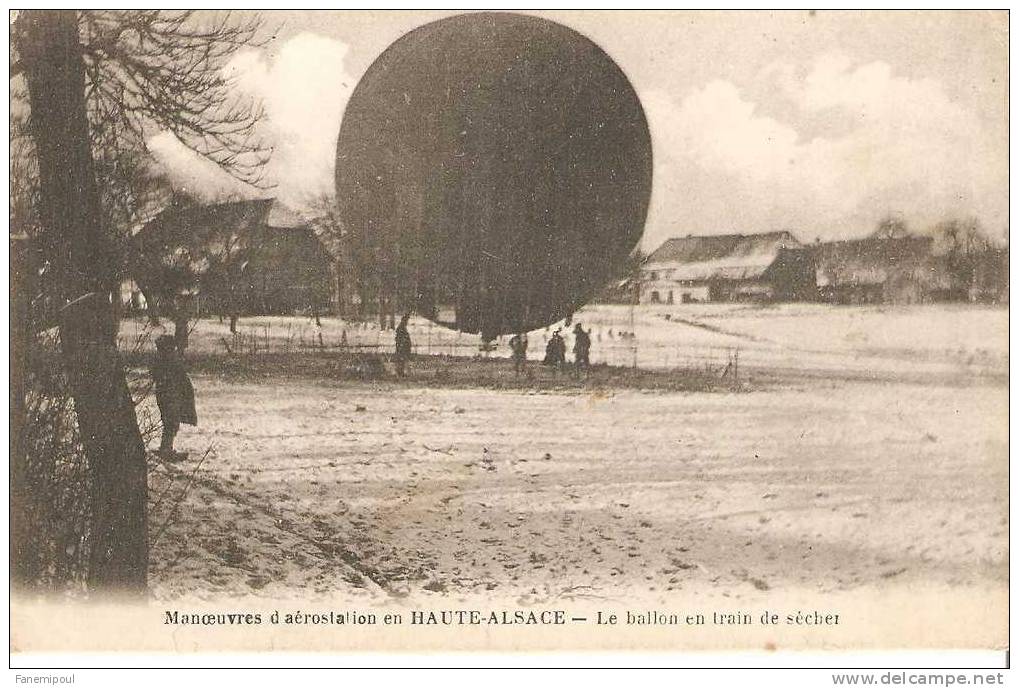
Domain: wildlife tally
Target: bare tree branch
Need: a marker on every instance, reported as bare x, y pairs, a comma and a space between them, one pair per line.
150, 70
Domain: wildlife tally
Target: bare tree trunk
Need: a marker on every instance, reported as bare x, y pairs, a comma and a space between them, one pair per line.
24, 563
74, 242
117, 312
151, 304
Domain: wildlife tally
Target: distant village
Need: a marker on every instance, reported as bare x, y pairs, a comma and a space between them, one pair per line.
891, 265
261, 257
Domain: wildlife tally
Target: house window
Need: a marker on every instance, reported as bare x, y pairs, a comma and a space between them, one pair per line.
655, 298
654, 275
670, 297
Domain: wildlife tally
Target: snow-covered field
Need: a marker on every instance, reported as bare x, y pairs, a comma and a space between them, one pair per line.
874, 455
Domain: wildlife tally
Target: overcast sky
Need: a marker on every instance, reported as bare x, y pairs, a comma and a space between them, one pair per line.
819, 123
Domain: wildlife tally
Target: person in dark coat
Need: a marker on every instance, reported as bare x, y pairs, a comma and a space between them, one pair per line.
555, 351
518, 345
175, 396
581, 347
403, 346
549, 352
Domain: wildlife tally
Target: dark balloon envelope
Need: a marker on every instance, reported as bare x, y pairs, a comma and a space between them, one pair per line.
494, 163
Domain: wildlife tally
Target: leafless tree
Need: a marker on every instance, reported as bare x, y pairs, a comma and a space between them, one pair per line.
152, 70
92, 86
965, 248
332, 232
891, 226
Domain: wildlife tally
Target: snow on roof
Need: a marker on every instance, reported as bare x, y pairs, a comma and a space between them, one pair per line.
190, 221
191, 236
726, 256
283, 217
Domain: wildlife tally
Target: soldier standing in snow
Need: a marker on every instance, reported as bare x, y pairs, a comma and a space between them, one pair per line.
555, 351
560, 350
581, 347
175, 396
403, 345
518, 344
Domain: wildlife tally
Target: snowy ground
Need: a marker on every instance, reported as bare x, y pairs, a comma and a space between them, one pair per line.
816, 481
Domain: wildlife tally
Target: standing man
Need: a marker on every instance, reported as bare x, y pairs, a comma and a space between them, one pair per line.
175, 396
402, 345
560, 347
518, 344
581, 347
555, 351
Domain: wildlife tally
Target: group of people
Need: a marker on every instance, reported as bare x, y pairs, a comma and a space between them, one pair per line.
555, 350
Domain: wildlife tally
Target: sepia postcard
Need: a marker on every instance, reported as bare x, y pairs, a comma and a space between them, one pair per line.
536, 331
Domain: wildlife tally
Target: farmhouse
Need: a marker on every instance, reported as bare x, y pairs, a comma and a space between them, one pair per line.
241, 257
729, 267
880, 269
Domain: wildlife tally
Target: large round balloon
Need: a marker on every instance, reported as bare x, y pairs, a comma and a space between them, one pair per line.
493, 172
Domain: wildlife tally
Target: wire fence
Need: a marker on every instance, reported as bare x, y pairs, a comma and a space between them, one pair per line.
617, 344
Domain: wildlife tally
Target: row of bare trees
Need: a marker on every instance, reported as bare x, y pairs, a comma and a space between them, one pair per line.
88, 89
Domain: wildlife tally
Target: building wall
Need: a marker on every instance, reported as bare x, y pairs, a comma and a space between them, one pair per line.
793, 276
666, 292
287, 271
746, 290
291, 273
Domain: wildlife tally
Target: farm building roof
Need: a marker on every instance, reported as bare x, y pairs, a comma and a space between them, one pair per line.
281, 216
268, 212
187, 223
726, 256
194, 236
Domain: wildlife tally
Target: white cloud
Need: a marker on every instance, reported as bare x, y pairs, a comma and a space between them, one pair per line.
725, 166
303, 89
